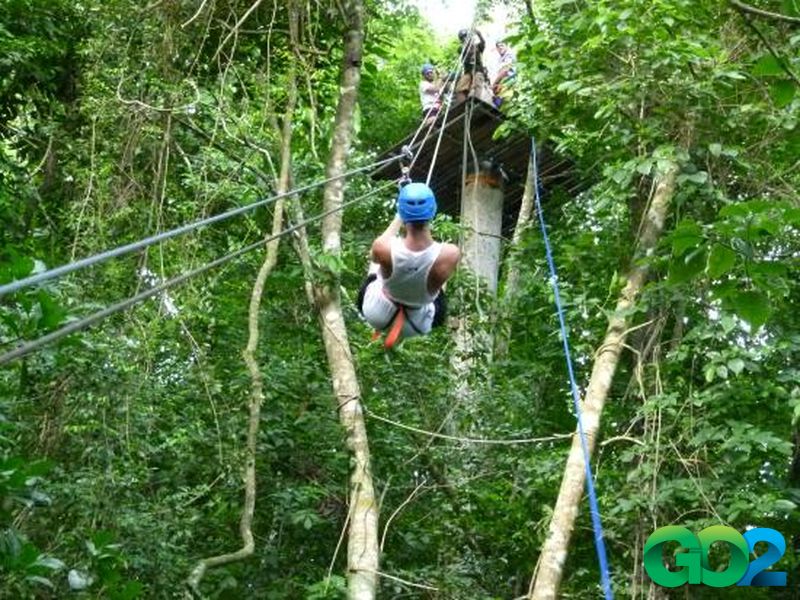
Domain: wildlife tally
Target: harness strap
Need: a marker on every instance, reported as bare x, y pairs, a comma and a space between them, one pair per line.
397, 327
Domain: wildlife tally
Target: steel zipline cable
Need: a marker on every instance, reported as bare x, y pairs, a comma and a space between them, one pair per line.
451, 79
462, 56
166, 235
81, 324
452, 74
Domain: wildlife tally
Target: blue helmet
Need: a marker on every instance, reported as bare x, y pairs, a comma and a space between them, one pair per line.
427, 68
416, 203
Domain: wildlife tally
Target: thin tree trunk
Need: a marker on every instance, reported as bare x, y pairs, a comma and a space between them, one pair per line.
511, 288
362, 546
554, 553
249, 356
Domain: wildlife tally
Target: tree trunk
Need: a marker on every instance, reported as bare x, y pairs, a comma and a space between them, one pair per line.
511, 287
554, 553
362, 547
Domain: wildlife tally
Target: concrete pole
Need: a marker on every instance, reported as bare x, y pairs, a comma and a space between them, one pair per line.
483, 219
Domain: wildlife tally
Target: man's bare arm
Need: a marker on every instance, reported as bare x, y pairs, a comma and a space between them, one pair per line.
382, 246
444, 267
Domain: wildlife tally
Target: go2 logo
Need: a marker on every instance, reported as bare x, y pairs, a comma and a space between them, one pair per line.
694, 563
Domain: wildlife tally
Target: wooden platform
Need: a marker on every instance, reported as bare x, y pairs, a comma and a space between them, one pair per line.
510, 154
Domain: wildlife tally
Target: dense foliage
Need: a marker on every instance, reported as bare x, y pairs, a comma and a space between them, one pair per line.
121, 447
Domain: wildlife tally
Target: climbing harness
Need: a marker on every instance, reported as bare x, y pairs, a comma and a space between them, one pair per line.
395, 327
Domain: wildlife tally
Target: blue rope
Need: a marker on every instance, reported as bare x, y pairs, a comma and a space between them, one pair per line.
599, 542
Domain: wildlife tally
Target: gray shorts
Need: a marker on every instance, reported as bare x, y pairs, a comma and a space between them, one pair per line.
379, 311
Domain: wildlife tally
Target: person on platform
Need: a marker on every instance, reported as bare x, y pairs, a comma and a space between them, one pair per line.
506, 73
430, 95
473, 80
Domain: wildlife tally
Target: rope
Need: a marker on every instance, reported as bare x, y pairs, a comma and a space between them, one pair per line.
443, 127
28, 347
597, 526
461, 56
430, 110
154, 239
452, 73
470, 440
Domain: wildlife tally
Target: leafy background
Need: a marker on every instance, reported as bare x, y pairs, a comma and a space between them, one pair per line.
121, 447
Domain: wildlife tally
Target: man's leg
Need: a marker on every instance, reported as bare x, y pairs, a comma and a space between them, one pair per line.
376, 308
362, 291
462, 87
440, 310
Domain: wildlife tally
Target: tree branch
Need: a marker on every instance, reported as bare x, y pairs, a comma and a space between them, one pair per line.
249, 356
783, 64
746, 8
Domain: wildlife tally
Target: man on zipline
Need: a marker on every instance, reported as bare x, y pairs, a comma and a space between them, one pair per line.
403, 290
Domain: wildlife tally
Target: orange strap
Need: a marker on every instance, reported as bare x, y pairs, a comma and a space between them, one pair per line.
395, 329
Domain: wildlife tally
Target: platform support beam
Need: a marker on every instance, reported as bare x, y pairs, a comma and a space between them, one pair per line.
482, 218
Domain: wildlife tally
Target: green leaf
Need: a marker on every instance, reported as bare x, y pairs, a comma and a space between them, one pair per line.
769, 269
645, 167
683, 270
736, 365
732, 75
782, 92
132, 590
767, 66
41, 581
721, 259
52, 313
49, 562
18, 267
700, 177
715, 149
753, 307
687, 234
784, 505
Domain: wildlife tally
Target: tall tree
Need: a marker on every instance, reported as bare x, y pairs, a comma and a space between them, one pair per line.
362, 544
556, 547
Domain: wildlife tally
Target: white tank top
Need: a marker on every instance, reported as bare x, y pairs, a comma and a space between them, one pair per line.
408, 283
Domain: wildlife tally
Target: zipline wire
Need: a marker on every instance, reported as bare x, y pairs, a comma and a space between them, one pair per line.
453, 73
449, 105
90, 320
442, 127
597, 526
471, 440
166, 235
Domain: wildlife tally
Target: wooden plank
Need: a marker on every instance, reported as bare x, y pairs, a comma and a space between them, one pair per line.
510, 154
